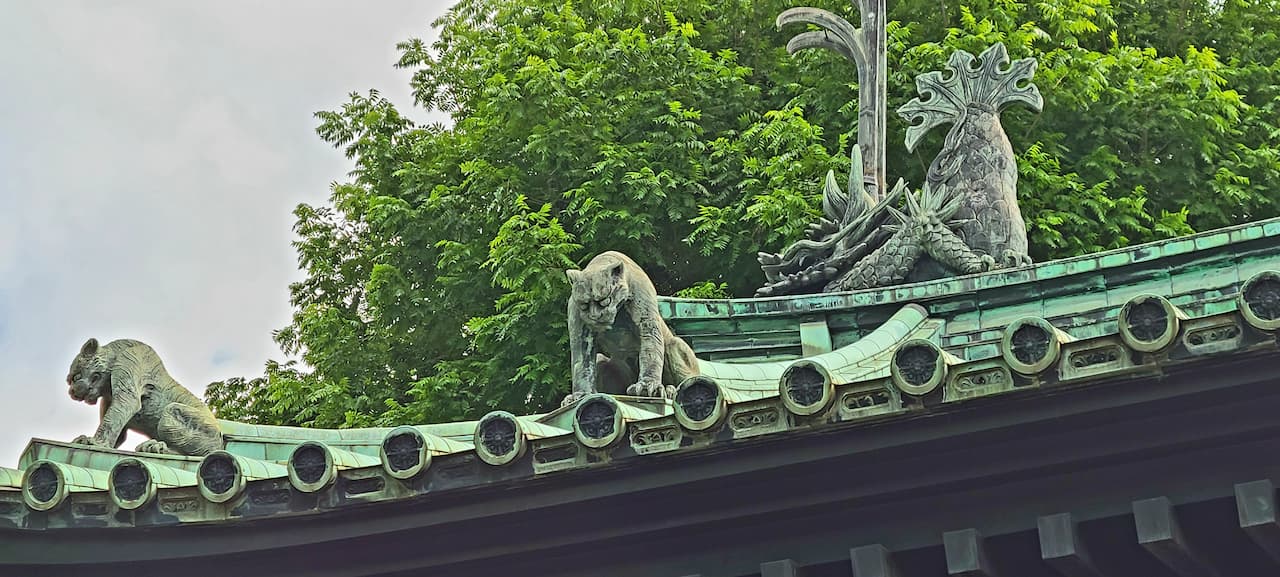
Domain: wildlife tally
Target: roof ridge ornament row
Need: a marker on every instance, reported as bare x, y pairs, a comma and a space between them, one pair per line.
917, 376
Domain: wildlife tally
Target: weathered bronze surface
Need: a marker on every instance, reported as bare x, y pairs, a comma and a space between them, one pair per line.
138, 394
965, 219
617, 338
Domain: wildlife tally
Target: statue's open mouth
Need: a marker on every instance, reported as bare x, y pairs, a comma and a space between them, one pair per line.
86, 396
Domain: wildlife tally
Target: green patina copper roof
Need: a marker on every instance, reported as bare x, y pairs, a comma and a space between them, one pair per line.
770, 365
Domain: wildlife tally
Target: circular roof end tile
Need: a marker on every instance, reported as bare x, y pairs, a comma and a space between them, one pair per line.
1259, 301
219, 477
405, 452
44, 485
806, 387
499, 438
597, 421
311, 467
131, 483
699, 403
918, 367
1030, 345
1149, 323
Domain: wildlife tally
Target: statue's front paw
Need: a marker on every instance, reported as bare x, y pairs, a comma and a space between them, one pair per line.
83, 440
988, 262
646, 389
1011, 258
152, 446
572, 398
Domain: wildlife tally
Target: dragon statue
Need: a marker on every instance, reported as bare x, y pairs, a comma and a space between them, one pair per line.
964, 220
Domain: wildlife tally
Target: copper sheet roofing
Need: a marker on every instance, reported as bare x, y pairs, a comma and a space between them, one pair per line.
771, 367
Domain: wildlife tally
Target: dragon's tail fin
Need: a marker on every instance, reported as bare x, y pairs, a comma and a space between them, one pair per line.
990, 82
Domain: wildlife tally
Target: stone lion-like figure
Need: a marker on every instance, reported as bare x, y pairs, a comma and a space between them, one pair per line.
617, 338
138, 394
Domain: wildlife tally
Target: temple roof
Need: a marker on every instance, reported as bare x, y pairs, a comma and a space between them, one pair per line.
772, 368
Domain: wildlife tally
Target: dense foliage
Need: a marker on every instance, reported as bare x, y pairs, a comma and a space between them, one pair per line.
681, 133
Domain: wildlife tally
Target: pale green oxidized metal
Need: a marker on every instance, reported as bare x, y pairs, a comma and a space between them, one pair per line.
1023, 331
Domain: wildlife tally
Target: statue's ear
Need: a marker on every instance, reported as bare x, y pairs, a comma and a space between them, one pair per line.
616, 271
90, 348
574, 276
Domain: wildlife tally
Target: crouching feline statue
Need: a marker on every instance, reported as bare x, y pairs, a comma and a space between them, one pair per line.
138, 394
613, 315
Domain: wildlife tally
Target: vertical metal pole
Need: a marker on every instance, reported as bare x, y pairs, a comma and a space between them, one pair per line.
873, 95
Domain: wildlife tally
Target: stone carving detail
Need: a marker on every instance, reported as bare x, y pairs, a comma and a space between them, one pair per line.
1212, 335
1148, 321
964, 220
979, 379
138, 394
917, 365
1263, 298
179, 505
1095, 357
854, 401
1030, 344
618, 340
654, 437
754, 419
498, 436
976, 155
276, 497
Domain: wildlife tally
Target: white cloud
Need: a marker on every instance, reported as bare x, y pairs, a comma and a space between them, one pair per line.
150, 155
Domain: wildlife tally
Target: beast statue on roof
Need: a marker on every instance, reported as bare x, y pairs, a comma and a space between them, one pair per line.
138, 394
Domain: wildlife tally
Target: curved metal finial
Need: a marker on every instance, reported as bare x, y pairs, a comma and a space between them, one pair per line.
865, 46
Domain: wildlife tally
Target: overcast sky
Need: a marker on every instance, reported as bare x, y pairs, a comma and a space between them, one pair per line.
151, 153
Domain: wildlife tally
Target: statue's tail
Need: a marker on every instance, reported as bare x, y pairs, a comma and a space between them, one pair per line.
943, 99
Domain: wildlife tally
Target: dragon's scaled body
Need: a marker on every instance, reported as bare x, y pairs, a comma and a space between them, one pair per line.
966, 217
976, 156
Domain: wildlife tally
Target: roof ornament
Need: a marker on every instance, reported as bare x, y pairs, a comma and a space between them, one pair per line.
964, 220
618, 341
138, 394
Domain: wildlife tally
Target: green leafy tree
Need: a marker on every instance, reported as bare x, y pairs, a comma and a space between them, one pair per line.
683, 134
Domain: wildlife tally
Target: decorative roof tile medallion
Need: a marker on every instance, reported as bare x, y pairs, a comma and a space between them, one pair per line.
699, 403
404, 452
1030, 345
311, 467
918, 367
1259, 300
806, 387
499, 438
1149, 323
597, 421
